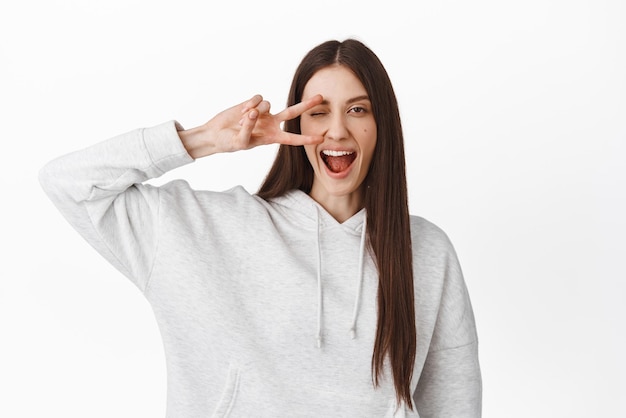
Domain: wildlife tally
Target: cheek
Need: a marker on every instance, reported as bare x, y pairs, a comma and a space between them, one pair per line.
312, 127
368, 143
305, 127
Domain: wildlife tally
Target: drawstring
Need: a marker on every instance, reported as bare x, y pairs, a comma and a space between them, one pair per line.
357, 299
359, 279
319, 282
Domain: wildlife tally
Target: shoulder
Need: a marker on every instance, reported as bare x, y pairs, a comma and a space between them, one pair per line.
426, 236
181, 189
435, 261
179, 196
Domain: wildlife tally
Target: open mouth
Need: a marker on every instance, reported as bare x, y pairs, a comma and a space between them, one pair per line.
338, 161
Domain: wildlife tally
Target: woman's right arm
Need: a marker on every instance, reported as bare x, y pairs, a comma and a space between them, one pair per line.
99, 189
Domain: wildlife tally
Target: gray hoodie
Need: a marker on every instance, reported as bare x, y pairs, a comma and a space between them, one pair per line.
266, 308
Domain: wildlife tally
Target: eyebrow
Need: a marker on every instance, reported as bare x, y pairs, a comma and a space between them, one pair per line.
352, 100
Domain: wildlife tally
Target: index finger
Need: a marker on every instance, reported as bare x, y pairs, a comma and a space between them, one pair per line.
299, 108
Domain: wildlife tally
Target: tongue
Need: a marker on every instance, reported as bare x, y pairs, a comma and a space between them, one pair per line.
339, 164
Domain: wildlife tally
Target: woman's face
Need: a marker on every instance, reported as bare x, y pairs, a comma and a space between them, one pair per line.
346, 122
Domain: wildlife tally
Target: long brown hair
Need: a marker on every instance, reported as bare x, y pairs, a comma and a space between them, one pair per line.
384, 198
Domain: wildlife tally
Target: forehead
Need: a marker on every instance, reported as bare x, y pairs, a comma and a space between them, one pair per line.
335, 83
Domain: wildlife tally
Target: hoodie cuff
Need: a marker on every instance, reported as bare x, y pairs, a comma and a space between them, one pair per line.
164, 146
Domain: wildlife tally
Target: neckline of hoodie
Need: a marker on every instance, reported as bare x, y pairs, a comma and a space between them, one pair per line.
309, 208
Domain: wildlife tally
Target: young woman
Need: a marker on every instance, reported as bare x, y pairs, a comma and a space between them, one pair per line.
318, 296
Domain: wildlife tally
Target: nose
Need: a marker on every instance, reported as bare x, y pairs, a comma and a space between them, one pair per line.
337, 129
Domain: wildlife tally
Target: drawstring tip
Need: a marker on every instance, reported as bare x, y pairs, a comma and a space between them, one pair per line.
352, 333
319, 342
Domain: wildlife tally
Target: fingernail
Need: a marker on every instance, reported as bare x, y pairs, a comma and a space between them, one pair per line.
253, 114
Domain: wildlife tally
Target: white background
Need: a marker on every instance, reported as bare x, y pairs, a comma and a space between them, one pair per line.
515, 123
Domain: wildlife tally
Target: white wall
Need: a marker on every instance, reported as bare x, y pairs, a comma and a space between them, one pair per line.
515, 121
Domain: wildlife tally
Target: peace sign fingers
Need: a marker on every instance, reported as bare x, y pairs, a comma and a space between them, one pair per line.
298, 109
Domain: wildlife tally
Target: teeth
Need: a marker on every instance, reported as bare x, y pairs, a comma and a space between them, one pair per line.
332, 153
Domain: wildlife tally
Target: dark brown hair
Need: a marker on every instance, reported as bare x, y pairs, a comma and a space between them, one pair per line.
384, 198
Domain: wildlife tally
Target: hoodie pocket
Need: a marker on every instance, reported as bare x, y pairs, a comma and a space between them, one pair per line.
229, 394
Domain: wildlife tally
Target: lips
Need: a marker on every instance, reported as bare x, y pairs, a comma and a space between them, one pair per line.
338, 161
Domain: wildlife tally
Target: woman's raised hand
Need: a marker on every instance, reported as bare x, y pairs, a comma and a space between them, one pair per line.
247, 125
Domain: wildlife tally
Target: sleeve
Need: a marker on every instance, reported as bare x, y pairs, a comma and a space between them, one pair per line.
450, 384
99, 191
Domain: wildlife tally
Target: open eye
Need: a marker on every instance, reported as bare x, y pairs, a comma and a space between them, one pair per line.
357, 109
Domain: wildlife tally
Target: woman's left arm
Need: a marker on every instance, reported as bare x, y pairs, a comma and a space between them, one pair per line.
450, 384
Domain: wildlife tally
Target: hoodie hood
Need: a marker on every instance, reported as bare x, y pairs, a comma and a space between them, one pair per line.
306, 212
